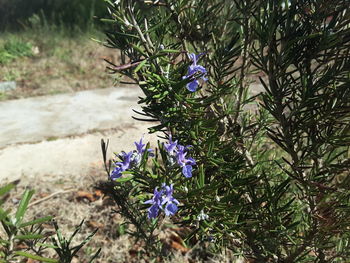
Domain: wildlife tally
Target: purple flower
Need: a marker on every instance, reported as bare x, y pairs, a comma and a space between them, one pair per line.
129, 160
139, 146
187, 171
156, 202
153, 211
116, 173
121, 166
177, 156
163, 198
137, 155
171, 208
126, 157
186, 164
171, 146
169, 201
192, 70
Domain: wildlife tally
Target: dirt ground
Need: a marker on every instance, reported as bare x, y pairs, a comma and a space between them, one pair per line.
71, 200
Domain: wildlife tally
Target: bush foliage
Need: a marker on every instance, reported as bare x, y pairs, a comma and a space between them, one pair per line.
264, 175
77, 14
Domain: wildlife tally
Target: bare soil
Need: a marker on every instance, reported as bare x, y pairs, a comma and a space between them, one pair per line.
71, 200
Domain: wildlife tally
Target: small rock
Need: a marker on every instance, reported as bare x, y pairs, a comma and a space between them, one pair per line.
15, 201
7, 86
35, 50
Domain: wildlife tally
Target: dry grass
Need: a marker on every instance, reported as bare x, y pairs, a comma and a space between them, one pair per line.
69, 209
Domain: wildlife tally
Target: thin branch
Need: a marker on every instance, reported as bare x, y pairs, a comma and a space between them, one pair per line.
50, 196
138, 29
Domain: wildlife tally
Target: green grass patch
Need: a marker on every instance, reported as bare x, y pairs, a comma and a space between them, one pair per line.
14, 48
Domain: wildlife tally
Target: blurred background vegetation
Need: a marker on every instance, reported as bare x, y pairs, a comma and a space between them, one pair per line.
74, 14
46, 47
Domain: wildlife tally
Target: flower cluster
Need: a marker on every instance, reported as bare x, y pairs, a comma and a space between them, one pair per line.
192, 70
177, 156
162, 200
129, 160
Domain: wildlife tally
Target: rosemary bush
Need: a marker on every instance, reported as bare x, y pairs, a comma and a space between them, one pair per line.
264, 175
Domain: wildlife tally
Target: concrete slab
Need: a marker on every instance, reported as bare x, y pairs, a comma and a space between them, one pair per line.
67, 157
39, 118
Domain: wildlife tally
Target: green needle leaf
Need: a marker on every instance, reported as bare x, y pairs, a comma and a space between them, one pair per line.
42, 259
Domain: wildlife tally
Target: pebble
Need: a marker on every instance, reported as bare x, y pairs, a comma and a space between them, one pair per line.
7, 86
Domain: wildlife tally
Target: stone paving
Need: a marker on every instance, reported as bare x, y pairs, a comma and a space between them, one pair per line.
39, 118
60, 135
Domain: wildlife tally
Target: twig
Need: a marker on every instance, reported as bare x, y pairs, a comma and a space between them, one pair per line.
122, 67
147, 35
50, 196
141, 35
